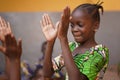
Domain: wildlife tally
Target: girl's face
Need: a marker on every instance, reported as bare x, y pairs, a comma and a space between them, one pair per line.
82, 26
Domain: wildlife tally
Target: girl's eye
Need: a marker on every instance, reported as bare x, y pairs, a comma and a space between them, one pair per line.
80, 25
71, 25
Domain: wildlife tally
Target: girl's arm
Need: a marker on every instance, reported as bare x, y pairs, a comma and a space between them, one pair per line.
50, 33
72, 70
48, 67
7, 66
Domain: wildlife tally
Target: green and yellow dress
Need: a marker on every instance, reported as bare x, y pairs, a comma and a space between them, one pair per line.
92, 63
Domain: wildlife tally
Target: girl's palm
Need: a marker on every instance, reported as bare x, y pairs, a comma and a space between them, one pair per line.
48, 28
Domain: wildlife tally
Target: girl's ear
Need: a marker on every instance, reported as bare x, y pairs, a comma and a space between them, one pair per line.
96, 26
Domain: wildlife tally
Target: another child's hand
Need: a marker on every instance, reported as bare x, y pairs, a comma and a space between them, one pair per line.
4, 28
48, 28
10, 47
64, 23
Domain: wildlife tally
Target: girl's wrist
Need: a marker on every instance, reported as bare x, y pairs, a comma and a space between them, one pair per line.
50, 44
51, 41
63, 39
14, 60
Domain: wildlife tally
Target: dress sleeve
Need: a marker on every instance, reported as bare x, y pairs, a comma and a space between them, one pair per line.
98, 64
101, 73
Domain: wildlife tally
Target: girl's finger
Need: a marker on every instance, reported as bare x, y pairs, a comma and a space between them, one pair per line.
68, 12
20, 44
4, 23
46, 20
8, 40
57, 25
2, 38
9, 28
49, 19
2, 49
65, 11
13, 40
44, 23
41, 24
0, 21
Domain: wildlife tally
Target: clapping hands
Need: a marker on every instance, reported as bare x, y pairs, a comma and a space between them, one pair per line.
10, 46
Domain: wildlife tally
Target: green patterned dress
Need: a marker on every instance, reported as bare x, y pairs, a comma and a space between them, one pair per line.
92, 63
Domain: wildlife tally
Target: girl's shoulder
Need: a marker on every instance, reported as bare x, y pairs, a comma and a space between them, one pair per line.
100, 49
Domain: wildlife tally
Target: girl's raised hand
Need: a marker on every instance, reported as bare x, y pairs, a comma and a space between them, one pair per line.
48, 28
64, 23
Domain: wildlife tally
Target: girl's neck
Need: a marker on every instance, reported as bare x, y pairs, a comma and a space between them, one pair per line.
89, 43
84, 47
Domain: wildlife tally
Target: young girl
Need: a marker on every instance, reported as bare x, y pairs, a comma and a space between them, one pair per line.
12, 49
84, 58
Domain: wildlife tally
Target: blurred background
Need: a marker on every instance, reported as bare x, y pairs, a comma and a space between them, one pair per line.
24, 16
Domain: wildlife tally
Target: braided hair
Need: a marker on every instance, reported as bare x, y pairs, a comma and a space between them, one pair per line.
91, 9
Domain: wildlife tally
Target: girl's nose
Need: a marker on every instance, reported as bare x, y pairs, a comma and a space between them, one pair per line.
75, 28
